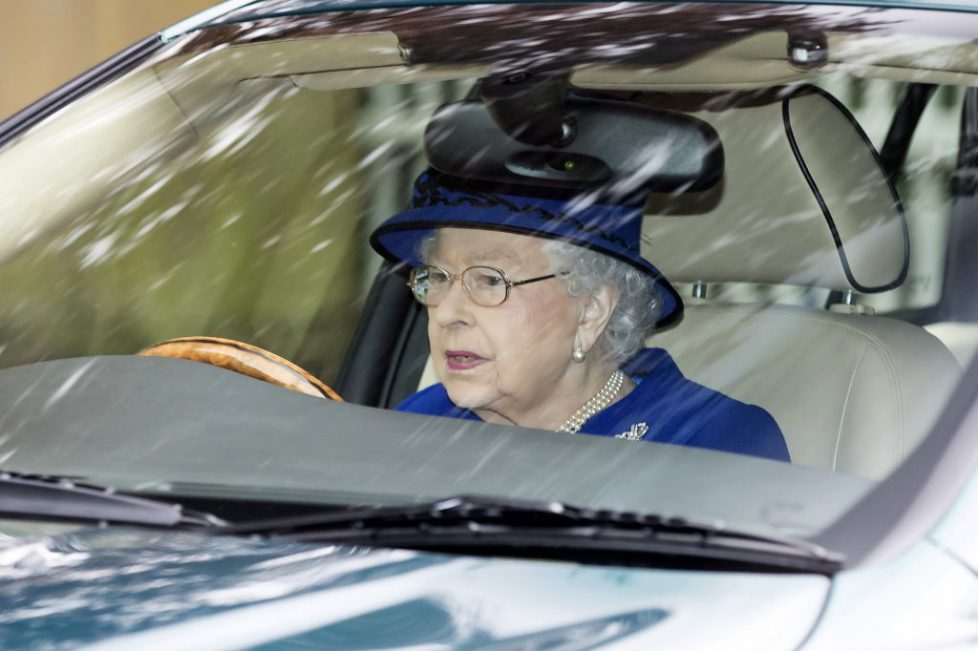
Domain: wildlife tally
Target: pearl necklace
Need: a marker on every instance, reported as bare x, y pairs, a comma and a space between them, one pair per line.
602, 399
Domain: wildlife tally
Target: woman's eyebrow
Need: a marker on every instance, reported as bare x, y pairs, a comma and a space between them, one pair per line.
497, 255
490, 258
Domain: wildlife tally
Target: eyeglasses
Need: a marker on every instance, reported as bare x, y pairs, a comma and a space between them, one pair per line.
486, 286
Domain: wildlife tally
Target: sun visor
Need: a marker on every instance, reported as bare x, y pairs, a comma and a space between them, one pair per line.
804, 201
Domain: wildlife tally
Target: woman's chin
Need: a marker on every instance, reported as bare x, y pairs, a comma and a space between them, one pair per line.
468, 395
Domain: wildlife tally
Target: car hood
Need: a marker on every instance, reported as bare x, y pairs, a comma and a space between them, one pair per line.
125, 588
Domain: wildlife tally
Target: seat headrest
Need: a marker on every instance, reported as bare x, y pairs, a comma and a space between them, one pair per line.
804, 201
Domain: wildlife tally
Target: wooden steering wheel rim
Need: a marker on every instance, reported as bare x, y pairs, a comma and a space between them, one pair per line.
246, 359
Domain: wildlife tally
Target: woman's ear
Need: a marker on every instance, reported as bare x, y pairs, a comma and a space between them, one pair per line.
595, 314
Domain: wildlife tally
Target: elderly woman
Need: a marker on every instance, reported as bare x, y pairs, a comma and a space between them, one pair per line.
539, 305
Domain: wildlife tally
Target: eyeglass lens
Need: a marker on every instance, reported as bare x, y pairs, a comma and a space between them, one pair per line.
484, 285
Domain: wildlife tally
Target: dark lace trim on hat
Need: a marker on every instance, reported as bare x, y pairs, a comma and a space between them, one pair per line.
429, 192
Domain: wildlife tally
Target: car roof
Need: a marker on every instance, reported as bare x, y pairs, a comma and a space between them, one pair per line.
236, 11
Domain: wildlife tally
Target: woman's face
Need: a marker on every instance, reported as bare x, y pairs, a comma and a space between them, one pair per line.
509, 359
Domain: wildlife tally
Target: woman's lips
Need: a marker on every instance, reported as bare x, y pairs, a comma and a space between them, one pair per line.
462, 360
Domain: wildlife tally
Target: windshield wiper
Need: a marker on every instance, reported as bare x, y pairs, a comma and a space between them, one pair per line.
64, 498
529, 528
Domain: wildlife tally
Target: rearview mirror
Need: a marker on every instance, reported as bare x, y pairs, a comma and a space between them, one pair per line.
609, 144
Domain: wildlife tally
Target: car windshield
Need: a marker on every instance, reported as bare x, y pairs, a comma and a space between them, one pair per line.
805, 187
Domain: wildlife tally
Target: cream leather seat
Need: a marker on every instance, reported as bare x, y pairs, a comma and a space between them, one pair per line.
852, 392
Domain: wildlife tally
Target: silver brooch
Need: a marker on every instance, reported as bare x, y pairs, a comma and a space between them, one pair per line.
636, 433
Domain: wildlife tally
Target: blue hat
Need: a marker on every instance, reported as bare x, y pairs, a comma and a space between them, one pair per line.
578, 217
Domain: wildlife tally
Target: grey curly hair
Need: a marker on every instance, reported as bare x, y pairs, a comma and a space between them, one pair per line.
583, 272
639, 301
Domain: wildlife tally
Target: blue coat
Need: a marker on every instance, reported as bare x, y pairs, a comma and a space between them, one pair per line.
664, 407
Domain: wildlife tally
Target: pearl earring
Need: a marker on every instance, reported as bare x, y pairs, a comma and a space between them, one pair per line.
578, 355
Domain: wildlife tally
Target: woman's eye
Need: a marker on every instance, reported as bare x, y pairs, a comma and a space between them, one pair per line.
437, 278
490, 280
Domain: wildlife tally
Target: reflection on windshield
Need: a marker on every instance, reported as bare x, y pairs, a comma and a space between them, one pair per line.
730, 266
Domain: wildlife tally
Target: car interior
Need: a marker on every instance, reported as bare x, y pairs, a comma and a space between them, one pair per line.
881, 381
788, 266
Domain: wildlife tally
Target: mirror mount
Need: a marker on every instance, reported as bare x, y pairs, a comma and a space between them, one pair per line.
529, 107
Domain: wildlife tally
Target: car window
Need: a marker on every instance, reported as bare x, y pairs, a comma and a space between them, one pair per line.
231, 192
255, 233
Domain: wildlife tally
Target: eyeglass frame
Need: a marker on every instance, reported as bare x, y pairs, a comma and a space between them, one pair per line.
452, 278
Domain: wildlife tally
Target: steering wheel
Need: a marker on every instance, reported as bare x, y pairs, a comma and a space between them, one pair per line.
246, 359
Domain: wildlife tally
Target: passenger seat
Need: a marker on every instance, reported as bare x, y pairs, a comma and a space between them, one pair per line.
804, 201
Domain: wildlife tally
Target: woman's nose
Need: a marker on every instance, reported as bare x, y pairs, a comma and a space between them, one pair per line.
454, 307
